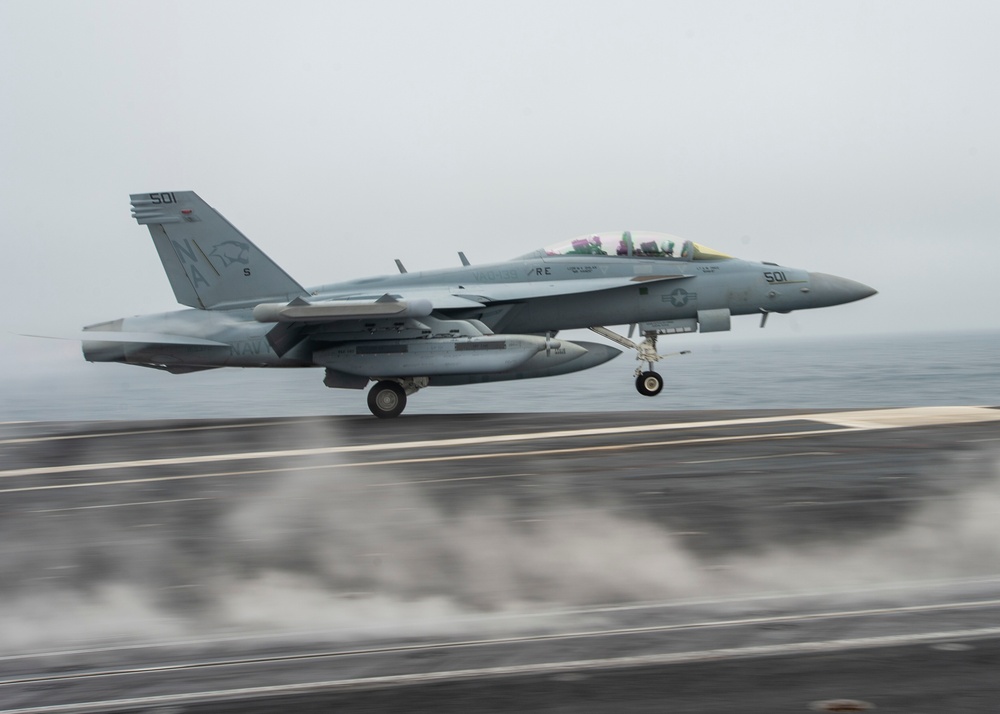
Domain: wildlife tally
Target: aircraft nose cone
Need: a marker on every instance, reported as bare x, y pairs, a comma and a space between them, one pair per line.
834, 290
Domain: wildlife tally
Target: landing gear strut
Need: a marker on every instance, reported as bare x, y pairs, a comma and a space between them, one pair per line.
647, 382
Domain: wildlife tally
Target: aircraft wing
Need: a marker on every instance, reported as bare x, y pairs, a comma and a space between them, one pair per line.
506, 292
470, 294
441, 298
295, 320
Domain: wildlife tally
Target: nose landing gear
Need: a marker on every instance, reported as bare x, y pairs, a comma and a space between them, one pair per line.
647, 382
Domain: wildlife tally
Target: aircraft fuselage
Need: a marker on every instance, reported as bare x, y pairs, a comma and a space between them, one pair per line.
473, 323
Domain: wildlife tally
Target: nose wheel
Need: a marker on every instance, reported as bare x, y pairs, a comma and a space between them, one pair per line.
649, 384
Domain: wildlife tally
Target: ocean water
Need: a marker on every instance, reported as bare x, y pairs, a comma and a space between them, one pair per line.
800, 373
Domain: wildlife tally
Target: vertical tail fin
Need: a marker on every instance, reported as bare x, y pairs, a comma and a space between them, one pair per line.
208, 261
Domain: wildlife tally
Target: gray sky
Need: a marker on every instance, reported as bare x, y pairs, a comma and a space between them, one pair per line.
856, 138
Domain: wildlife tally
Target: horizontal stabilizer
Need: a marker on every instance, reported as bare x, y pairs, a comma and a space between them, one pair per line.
149, 338
138, 338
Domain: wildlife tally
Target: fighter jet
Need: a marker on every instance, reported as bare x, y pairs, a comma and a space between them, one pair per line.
461, 325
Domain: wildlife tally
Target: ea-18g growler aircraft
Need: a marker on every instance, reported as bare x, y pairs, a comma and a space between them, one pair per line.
460, 325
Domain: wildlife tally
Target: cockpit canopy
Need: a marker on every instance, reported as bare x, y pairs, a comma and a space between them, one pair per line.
631, 244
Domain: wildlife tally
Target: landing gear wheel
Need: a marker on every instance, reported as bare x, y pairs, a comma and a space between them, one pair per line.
386, 399
649, 384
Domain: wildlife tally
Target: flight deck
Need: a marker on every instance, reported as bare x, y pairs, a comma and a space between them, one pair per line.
780, 561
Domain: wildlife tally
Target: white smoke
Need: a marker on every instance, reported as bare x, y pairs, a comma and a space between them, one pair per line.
334, 552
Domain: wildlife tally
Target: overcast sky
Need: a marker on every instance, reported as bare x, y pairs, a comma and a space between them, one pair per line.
856, 138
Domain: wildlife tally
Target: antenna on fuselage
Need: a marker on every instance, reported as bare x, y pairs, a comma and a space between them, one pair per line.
465, 261
399, 264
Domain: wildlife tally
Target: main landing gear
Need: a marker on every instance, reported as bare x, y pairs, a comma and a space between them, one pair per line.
387, 399
647, 382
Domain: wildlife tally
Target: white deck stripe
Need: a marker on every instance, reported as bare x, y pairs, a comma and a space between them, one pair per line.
169, 430
516, 639
908, 417
763, 457
117, 505
875, 419
422, 460
395, 680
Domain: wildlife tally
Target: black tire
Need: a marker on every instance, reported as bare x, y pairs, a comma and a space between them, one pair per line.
649, 384
386, 399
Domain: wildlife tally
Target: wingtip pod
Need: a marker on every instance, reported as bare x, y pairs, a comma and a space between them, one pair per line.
209, 263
